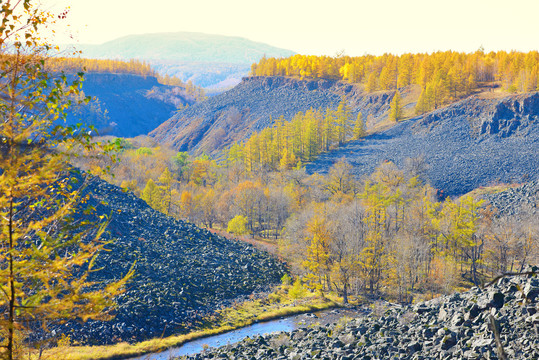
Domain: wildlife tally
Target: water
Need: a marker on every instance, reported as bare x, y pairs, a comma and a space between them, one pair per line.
231, 337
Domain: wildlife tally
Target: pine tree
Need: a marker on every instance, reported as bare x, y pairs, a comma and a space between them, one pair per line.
152, 195
359, 127
372, 83
166, 182
395, 111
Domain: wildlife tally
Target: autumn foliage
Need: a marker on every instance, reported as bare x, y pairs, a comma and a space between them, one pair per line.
443, 76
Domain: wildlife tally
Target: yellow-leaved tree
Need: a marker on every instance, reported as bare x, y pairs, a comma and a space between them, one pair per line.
46, 252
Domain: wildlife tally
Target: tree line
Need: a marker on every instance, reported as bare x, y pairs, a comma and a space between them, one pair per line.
132, 66
443, 76
288, 144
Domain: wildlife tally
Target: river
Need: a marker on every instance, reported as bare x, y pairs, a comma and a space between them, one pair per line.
196, 346
286, 324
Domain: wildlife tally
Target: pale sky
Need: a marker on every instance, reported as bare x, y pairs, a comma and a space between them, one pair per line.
320, 27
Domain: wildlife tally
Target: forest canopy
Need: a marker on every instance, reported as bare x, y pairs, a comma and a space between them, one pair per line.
443, 76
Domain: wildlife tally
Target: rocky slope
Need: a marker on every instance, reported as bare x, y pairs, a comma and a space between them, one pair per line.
474, 142
127, 105
460, 326
182, 272
232, 116
518, 200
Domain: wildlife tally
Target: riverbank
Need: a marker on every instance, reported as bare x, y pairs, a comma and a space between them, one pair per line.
276, 305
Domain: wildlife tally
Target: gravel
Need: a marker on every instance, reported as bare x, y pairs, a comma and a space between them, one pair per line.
519, 200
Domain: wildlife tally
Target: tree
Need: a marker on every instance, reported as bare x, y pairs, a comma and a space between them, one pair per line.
166, 188
46, 251
153, 195
238, 225
340, 179
359, 127
317, 252
395, 111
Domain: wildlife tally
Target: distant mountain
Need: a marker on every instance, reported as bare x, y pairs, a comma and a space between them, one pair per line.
207, 60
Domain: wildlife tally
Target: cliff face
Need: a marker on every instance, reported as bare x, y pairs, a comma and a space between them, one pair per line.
127, 105
233, 116
474, 142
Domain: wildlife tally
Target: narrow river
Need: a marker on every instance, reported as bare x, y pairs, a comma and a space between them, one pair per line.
286, 324
231, 337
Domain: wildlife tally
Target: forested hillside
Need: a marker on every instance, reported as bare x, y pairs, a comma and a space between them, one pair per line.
443, 76
390, 233
257, 103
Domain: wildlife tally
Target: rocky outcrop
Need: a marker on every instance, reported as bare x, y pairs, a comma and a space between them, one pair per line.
512, 116
477, 324
127, 105
182, 272
474, 142
253, 105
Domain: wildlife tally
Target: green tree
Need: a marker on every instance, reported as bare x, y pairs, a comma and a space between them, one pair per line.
46, 255
395, 111
238, 225
359, 127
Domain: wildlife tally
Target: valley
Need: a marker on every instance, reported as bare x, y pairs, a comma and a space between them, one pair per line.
222, 163
190, 184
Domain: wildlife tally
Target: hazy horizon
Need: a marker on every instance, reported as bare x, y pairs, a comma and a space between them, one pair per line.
317, 27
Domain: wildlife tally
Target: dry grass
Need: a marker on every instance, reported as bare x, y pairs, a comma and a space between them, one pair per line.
494, 189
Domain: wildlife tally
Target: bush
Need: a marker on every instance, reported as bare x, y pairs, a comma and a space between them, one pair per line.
297, 290
238, 225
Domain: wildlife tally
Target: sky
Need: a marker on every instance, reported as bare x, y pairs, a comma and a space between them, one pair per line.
317, 27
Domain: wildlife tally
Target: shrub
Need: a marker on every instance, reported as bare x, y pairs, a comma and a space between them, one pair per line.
238, 225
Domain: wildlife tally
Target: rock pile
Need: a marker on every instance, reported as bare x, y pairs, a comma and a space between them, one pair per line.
515, 201
477, 324
182, 272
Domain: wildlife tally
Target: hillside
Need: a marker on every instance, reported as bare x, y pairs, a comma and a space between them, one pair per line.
127, 105
233, 116
459, 326
182, 272
211, 61
479, 141
474, 142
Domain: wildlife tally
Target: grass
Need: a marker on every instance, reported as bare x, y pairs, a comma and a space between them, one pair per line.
493, 189
276, 305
